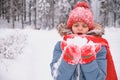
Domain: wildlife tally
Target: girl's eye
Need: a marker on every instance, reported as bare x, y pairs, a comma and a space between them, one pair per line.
76, 25
84, 26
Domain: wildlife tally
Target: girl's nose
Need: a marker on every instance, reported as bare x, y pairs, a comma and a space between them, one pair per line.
80, 27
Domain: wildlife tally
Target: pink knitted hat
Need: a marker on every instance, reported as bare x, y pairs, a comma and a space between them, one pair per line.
81, 13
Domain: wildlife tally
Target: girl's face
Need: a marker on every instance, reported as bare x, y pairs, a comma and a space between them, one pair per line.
80, 28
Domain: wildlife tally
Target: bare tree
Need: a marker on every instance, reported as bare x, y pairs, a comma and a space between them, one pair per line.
24, 9
22, 13
43, 11
8, 11
12, 13
35, 13
30, 5
0, 8
3, 8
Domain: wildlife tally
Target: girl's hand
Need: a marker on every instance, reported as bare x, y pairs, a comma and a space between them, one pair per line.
71, 54
88, 53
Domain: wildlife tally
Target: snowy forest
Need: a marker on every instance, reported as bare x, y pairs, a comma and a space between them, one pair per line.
28, 34
47, 14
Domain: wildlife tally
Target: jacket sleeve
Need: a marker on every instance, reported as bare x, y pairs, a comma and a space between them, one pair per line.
60, 69
96, 70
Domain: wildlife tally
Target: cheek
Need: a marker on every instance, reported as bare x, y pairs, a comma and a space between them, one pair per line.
86, 30
74, 30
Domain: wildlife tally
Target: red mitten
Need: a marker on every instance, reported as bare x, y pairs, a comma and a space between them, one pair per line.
71, 54
88, 53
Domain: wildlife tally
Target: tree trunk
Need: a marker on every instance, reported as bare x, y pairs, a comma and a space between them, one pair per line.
0, 8
29, 12
12, 13
35, 14
24, 7
8, 11
22, 12
3, 9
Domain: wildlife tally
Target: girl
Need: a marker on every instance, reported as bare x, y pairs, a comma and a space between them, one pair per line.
82, 54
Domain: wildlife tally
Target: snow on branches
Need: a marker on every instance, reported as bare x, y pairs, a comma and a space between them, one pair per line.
11, 43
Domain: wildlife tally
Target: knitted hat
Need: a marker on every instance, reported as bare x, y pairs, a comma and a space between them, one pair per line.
81, 13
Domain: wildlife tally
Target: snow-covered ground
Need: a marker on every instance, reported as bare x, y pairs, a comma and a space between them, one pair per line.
33, 62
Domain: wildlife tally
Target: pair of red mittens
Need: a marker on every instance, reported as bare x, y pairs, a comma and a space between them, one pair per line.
74, 54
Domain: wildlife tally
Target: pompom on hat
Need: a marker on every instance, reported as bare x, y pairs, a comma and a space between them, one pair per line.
81, 13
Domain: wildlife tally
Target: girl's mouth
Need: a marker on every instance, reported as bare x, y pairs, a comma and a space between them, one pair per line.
79, 33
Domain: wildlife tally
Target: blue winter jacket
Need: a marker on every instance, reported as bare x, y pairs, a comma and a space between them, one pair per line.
61, 70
